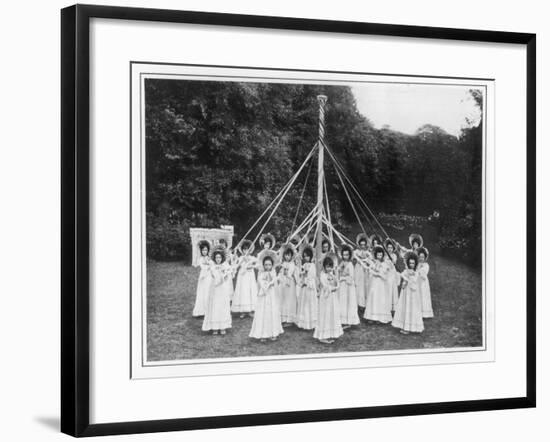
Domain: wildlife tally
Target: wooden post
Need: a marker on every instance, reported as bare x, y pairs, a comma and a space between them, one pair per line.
322, 99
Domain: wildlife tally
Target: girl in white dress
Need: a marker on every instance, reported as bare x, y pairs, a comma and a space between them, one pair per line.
346, 292
393, 279
374, 241
218, 314
205, 279
267, 317
361, 271
307, 291
408, 314
424, 282
328, 326
246, 289
287, 285
231, 268
378, 305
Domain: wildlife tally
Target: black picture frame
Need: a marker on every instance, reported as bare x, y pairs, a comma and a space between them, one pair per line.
75, 211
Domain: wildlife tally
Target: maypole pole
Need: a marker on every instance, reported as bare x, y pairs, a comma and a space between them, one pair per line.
322, 100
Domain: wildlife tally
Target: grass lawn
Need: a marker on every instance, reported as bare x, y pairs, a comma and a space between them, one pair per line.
172, 333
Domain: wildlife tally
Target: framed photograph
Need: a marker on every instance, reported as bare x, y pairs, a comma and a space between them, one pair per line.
273, 220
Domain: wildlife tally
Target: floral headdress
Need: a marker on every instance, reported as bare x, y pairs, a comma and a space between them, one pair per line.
362, 237
423, 250
389, 241
331, 257
246, 247
416, 237
376, 250
218, 250
409, 256
307, 248
204, 243
267, 253
373, 238
285, 248
269, 237
345, 247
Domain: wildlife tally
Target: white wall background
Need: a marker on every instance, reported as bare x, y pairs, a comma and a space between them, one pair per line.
29, 225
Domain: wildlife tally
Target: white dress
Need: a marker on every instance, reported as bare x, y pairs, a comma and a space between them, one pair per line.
287, 291
218, 313
361, 276
203, 286
392, 280
378, 304
230, 270
307, 297
408, 314
347, 295
267, 317
328, 322
246, 289
424, 286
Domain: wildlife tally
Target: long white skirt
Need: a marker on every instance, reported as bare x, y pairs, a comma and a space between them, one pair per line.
328, 322
424, 287
246, 292
361, 275
289, 301
229, 288
378, 305
267, 317
348, 304
218, 313
392, 290
408, 314
307, 308
201, 299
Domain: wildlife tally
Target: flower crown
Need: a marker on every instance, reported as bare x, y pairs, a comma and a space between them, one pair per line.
416, 237
247, 245
285, 248
362, 237
409, 256
218, 250
423, 250
269, 237
375, 237
267, 253
204, 243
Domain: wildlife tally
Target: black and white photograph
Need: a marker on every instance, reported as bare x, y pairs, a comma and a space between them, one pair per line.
272, 220
293, 217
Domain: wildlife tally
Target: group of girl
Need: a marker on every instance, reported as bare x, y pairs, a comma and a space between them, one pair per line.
283, 288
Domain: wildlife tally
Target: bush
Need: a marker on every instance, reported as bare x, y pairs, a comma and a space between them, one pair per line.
461, 239
402, 222
167, 241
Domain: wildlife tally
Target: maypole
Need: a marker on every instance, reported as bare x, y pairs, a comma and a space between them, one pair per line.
319, 217
322, 100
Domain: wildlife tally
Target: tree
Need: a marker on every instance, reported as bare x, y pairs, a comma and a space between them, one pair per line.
219, 152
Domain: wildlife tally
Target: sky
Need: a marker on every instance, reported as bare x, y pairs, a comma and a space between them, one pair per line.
406, 107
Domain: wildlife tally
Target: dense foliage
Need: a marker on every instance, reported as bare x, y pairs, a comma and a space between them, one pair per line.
218, 153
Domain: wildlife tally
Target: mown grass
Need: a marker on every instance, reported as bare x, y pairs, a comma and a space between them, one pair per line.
172, 333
